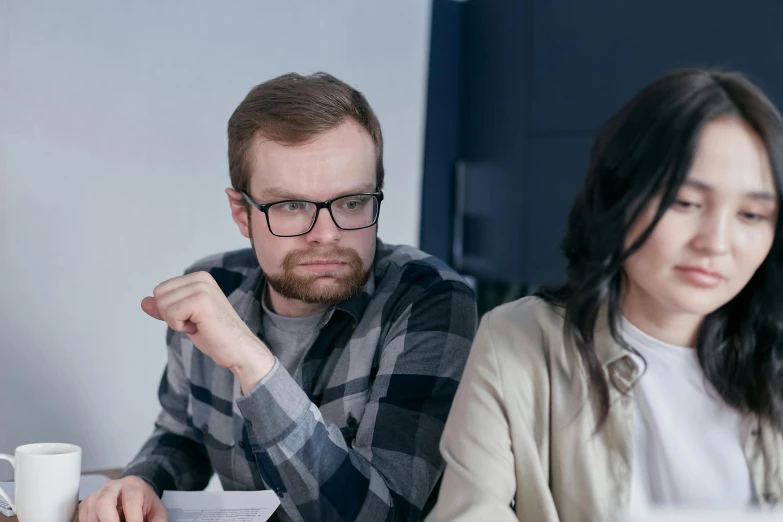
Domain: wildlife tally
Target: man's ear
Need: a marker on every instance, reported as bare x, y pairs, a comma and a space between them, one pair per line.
239, 211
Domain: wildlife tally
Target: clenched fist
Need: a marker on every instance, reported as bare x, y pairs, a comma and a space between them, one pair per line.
195, 304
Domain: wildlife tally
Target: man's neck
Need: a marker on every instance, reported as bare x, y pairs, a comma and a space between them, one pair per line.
291, 307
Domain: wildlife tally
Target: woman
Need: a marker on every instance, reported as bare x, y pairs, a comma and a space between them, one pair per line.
654, 377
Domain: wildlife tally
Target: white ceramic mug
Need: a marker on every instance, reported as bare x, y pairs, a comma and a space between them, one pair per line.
46, 481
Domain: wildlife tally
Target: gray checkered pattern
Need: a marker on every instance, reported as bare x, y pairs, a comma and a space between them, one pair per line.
357, 438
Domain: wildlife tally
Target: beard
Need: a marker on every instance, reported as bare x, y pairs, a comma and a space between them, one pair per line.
328, 289
320, 288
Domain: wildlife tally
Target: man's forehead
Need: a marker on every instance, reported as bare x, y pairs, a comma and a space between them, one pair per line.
349, 141
324, 168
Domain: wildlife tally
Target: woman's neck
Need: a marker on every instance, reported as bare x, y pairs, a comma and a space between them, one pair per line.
677, 328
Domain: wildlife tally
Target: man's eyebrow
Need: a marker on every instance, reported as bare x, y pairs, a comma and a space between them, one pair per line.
279, 193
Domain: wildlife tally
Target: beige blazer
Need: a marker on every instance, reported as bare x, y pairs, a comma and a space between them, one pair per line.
521, 428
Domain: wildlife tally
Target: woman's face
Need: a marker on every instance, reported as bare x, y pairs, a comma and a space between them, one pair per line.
715, 236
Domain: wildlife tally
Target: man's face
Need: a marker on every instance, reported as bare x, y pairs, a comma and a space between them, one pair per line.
326, 265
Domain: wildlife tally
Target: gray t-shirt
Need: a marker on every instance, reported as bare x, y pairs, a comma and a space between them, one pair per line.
289, 338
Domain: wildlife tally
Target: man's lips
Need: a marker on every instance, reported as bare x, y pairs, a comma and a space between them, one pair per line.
324, 262
323, 265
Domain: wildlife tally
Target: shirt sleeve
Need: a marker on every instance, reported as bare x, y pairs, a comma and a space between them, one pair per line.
172, 458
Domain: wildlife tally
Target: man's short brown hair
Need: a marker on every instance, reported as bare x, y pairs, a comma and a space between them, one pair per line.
292, 109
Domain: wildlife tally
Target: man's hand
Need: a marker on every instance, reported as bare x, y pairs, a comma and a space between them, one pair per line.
130, 495
195, 304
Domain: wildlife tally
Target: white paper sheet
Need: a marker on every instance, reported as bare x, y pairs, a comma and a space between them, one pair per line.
87, 485
704, 515
5, 509
220, 506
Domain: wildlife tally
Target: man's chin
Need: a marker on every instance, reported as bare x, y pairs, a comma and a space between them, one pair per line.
322, 289
328, 290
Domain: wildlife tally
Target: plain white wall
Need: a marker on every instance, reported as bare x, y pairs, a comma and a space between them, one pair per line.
112, 170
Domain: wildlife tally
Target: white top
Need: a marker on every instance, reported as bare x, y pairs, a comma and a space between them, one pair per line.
687, 443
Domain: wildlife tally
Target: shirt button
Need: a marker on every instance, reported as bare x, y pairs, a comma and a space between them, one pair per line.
205, 428
241, 444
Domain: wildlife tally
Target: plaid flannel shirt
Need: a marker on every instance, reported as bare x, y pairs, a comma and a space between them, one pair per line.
358, 438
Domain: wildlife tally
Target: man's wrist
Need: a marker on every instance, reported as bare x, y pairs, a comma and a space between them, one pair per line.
257, 364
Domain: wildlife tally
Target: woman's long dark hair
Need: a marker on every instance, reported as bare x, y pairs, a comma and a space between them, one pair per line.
646, 150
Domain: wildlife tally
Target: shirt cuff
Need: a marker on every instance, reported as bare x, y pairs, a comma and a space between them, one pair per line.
146, 471
272, 408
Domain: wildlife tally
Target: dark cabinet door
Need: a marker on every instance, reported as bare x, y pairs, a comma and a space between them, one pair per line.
587, 58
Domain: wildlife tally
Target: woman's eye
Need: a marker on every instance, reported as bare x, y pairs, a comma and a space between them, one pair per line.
751, 216
683, 203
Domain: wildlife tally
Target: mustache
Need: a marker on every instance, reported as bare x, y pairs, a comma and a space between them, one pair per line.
328, 254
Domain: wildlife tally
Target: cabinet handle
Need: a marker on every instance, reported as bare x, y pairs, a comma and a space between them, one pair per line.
458, 243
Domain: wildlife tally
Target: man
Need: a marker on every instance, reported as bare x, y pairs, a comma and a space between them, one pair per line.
321, 363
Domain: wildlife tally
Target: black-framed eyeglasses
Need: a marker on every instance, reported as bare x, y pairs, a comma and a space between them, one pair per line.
297, 217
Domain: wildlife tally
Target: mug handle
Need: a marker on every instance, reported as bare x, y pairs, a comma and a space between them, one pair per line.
12, 460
